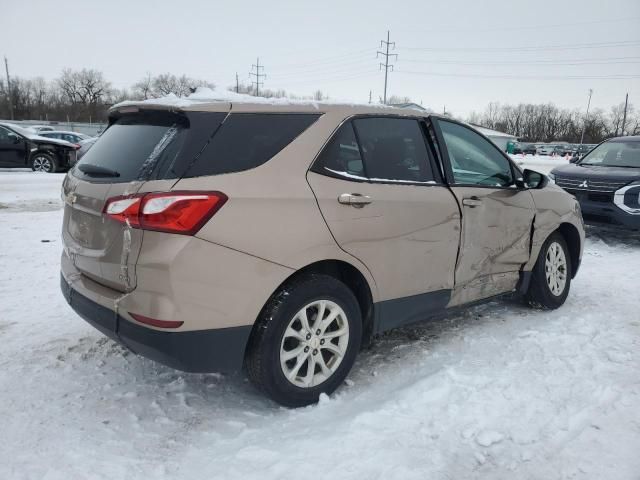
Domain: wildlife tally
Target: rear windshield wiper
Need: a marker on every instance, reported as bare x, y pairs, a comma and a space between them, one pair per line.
97, 171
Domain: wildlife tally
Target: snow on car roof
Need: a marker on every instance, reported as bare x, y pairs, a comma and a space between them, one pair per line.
204, 95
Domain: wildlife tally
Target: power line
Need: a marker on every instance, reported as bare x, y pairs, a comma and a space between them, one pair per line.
576, 46
524, 77
345, 57
586, 61
331, 79
258, 75
501, 28
321, 70
386, 63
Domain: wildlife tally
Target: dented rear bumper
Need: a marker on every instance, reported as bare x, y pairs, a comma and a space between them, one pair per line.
212, 350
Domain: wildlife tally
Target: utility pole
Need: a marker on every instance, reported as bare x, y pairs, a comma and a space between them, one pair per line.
258, 75
586, 117
386, 63
624, 117
369, 96
237, 84
10, 96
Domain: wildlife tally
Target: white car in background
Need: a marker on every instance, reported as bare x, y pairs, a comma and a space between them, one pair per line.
546, 149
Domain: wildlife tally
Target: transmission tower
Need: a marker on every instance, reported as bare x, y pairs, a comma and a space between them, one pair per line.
386, 65
258, 74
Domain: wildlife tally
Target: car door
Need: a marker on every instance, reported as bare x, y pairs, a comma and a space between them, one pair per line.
497, 216
386, 205
12, 148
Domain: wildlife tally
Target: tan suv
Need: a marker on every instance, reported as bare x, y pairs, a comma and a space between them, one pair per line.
210, 235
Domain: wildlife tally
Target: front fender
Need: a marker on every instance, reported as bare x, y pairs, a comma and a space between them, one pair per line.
554, 208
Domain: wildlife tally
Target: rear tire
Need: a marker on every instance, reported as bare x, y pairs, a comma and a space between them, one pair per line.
294, 357
44, 162
551, 276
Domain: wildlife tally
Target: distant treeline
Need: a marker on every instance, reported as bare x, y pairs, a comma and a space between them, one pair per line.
547, 122
86, 95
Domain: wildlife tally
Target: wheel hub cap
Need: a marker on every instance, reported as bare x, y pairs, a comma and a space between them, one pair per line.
314, 343
556, 269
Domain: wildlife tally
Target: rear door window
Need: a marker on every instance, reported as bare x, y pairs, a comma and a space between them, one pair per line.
248, 140
341, 156
394, 149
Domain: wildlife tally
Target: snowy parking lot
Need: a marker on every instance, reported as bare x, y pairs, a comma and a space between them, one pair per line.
500, 391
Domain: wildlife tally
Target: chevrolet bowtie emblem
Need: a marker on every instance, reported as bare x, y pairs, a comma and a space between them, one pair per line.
583, 185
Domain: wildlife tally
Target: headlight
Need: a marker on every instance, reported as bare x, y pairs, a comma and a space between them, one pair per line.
552, 177
628, 198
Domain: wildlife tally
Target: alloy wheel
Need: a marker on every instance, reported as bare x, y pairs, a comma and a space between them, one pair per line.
42, 164
314, 343
556, 269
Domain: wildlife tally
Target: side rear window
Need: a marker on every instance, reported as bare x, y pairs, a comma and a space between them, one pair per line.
341, 156
248, 140
394, 149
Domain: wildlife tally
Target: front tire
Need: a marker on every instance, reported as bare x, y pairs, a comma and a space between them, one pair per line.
44, 162
305, 341
551, 276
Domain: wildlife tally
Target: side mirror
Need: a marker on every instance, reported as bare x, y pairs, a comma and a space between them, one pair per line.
574, 159
534, 180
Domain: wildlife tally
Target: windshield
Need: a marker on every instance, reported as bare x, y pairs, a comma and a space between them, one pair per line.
614, 154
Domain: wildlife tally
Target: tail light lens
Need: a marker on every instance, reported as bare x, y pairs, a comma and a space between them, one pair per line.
174, 212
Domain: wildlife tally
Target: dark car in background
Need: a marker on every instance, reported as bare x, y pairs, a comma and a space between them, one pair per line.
22, 148
606, 182
525, 148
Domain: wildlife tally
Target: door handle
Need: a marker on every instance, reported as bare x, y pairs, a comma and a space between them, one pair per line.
354, 199
472, 202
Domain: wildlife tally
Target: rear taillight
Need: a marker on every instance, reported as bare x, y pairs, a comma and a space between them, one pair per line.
173, 212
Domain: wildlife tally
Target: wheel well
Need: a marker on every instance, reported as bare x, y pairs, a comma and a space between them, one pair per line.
572, 237
352, 278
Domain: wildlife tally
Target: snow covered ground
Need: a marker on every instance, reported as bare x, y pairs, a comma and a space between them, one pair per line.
539, 163
499, 392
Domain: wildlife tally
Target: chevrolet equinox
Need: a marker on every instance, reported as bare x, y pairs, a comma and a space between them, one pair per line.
211, 236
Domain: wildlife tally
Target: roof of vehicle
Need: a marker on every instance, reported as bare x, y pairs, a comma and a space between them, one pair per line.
630, 138
66, 132
206, 99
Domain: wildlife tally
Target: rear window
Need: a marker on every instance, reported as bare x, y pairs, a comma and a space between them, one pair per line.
137, 144
248, 140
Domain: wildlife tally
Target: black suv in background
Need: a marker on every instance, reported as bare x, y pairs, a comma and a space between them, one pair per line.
22, 148
606, 182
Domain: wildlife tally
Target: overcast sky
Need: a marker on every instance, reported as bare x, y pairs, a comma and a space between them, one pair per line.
462, 54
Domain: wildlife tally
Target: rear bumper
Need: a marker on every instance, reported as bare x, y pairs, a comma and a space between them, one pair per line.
211, 350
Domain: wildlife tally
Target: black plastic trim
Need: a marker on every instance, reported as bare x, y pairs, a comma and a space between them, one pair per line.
397, 312
201, 351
